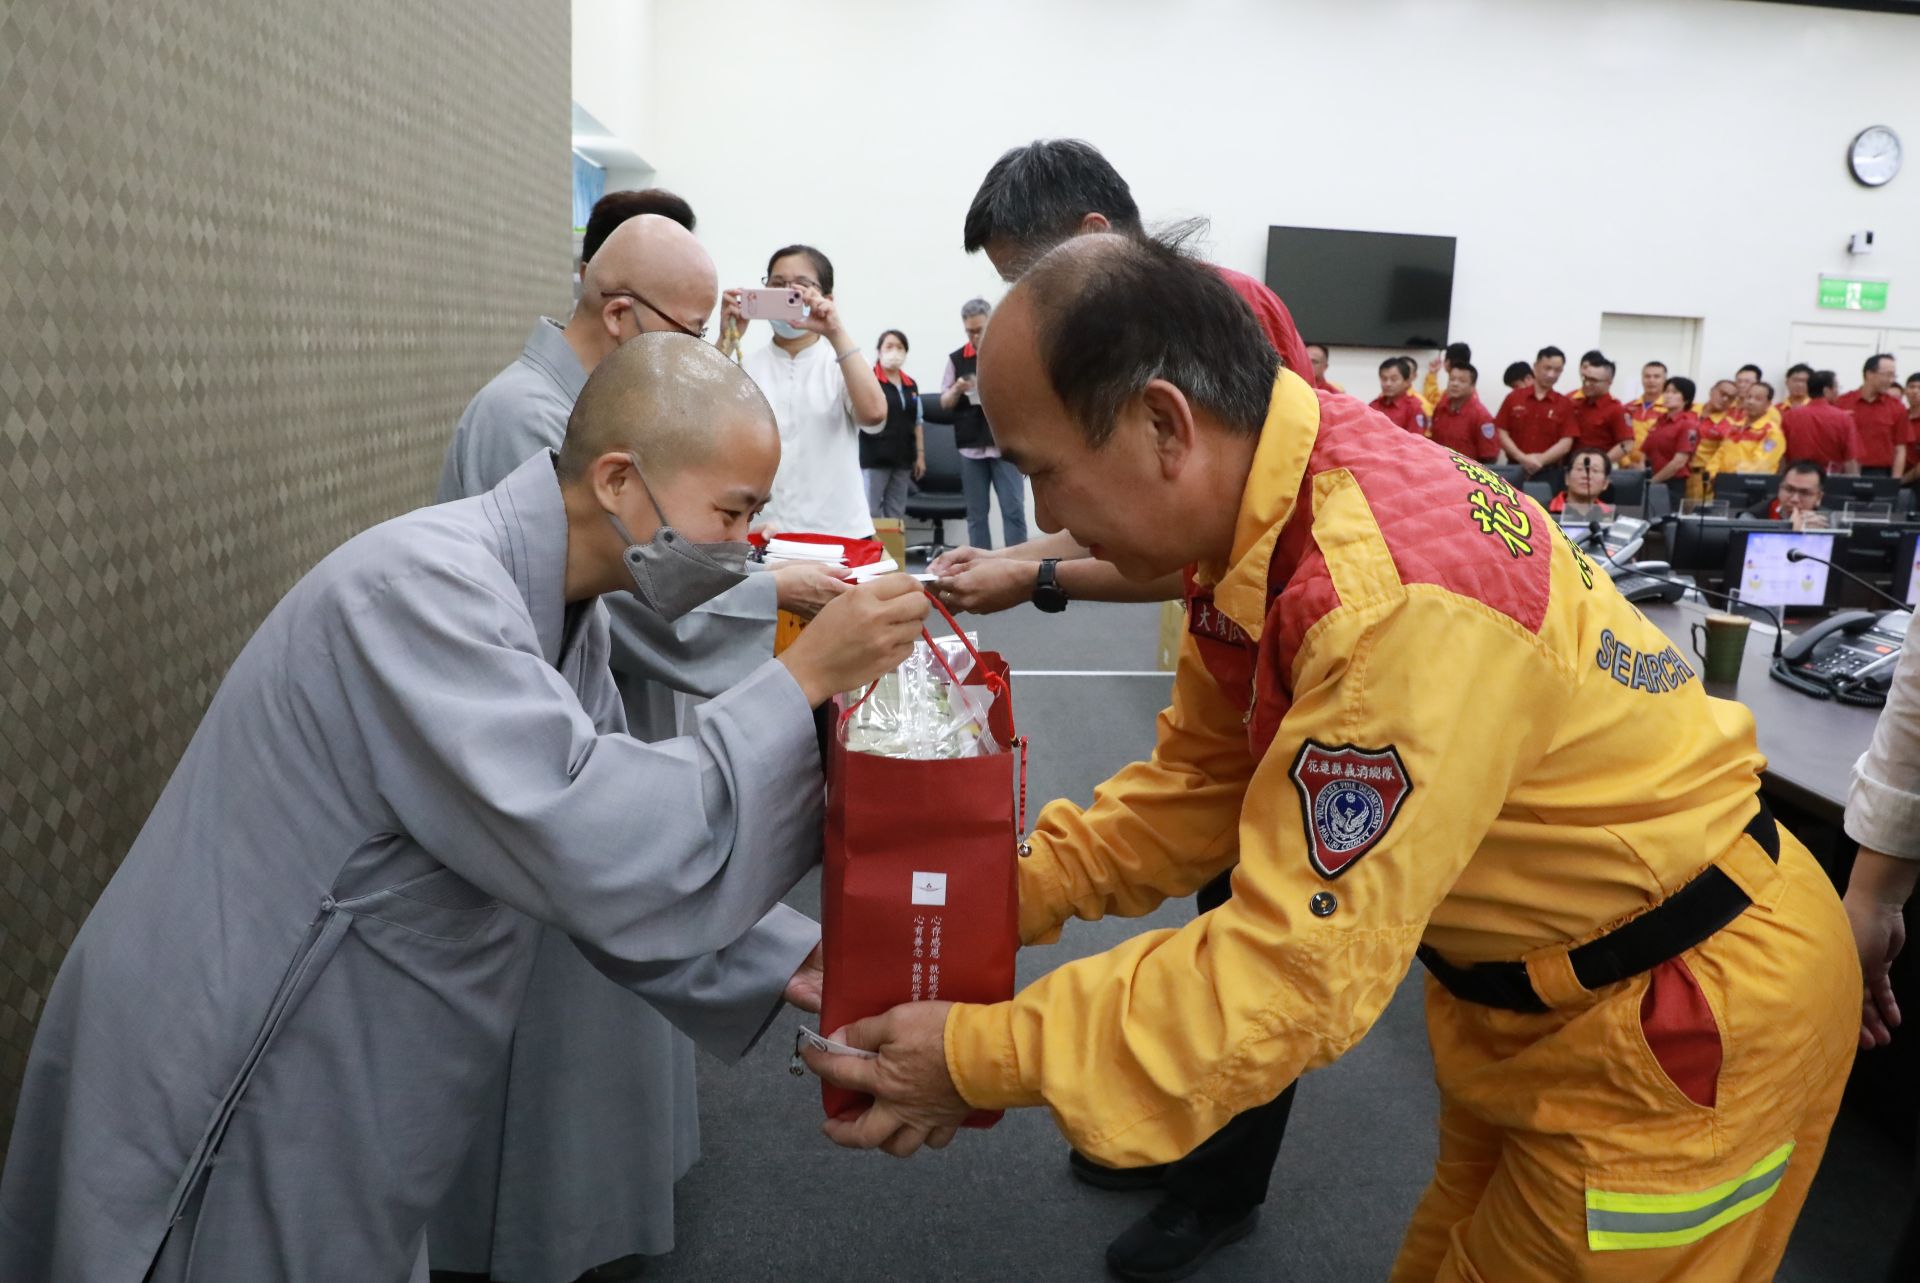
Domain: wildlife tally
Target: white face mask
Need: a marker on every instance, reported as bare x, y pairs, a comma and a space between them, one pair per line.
892, 359
787, 329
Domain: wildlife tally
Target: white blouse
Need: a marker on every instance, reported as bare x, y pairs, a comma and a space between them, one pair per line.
1883, 806
818, 488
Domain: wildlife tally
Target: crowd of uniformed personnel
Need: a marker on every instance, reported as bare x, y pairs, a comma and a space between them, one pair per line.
1744, 425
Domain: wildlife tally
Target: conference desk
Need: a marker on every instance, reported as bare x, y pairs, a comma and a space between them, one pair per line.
1810, 744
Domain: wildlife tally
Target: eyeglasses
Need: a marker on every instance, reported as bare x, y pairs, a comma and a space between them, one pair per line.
791, 282
681, 326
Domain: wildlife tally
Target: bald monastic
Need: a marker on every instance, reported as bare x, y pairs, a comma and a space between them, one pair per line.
265, 1054
574, 1160
598, 1116
650, 276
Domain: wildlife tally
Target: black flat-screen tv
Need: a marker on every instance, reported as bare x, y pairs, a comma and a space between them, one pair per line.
1363, 289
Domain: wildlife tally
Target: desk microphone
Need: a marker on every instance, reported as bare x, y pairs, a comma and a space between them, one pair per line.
1778, 669
1795, 554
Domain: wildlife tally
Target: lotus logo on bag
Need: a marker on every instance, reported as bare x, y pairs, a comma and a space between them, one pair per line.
929, 888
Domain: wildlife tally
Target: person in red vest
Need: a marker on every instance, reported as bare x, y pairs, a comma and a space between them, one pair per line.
1820, 430
1802, 487
1588, 471
1671, 444
1536, 423
1460, 422
1600, 421
1397, 400
1881, 416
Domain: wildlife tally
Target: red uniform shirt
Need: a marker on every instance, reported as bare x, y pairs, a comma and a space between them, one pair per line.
1821, 432
1273, 317
1674, 434
1601, 424
1535, 423
1883, 424
1468, 430
1404, 410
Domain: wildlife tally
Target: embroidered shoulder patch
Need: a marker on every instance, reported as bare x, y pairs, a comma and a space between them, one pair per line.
1348, 800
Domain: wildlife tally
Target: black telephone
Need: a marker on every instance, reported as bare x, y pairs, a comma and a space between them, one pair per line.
1851, 656
1646, 581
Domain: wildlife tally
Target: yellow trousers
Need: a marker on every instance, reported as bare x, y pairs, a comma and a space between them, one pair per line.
1664, 1128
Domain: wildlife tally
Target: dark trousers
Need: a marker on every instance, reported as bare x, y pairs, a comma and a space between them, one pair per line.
1231, 1168
980, 480
1906, 1256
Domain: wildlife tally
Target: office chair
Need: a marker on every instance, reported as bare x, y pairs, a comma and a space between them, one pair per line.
937, 498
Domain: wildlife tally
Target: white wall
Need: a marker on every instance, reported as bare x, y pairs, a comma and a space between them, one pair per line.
1681, 157
612, 67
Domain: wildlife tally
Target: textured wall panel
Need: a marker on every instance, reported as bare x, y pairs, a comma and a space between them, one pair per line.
254, 257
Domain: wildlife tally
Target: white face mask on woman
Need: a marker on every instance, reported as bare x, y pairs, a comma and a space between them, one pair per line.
892, 359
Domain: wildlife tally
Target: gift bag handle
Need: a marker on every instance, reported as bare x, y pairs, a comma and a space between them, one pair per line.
993, 682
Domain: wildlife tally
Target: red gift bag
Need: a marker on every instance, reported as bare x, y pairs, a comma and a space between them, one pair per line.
918, 895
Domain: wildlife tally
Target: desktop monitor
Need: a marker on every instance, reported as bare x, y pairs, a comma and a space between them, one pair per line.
1700, 544
1872, 548
1759, 571
1845, 490
1906, 568
1743, 490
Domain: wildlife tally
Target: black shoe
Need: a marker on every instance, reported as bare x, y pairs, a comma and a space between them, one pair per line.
1127, 1180
1174, 1240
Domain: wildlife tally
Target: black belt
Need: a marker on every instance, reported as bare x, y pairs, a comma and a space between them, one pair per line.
1669, 929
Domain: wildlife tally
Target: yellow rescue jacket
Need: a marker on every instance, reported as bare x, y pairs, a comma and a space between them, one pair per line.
1409, 710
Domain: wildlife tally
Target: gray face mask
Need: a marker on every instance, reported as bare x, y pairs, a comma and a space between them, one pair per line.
786, 329
671, 574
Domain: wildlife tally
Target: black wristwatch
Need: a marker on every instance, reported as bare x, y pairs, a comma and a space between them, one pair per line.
1048, 595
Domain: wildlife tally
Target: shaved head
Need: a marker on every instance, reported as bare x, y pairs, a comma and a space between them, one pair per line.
671, 399
660, 261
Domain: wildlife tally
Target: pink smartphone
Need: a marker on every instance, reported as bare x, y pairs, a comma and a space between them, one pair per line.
781, 304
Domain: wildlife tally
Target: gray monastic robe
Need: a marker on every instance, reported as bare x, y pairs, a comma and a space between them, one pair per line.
574, 1161
276, 1028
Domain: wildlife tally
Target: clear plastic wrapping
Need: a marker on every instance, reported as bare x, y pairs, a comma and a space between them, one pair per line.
920, 711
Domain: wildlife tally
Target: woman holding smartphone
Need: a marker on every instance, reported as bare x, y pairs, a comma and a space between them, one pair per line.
824, 396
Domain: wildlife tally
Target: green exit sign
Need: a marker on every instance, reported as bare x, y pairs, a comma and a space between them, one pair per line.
1853, 296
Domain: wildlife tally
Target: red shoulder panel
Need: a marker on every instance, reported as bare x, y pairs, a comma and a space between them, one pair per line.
1446, 521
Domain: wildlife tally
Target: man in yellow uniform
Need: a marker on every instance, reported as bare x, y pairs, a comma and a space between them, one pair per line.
1422, 723
1720, 417
1758, 444
1644, 411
